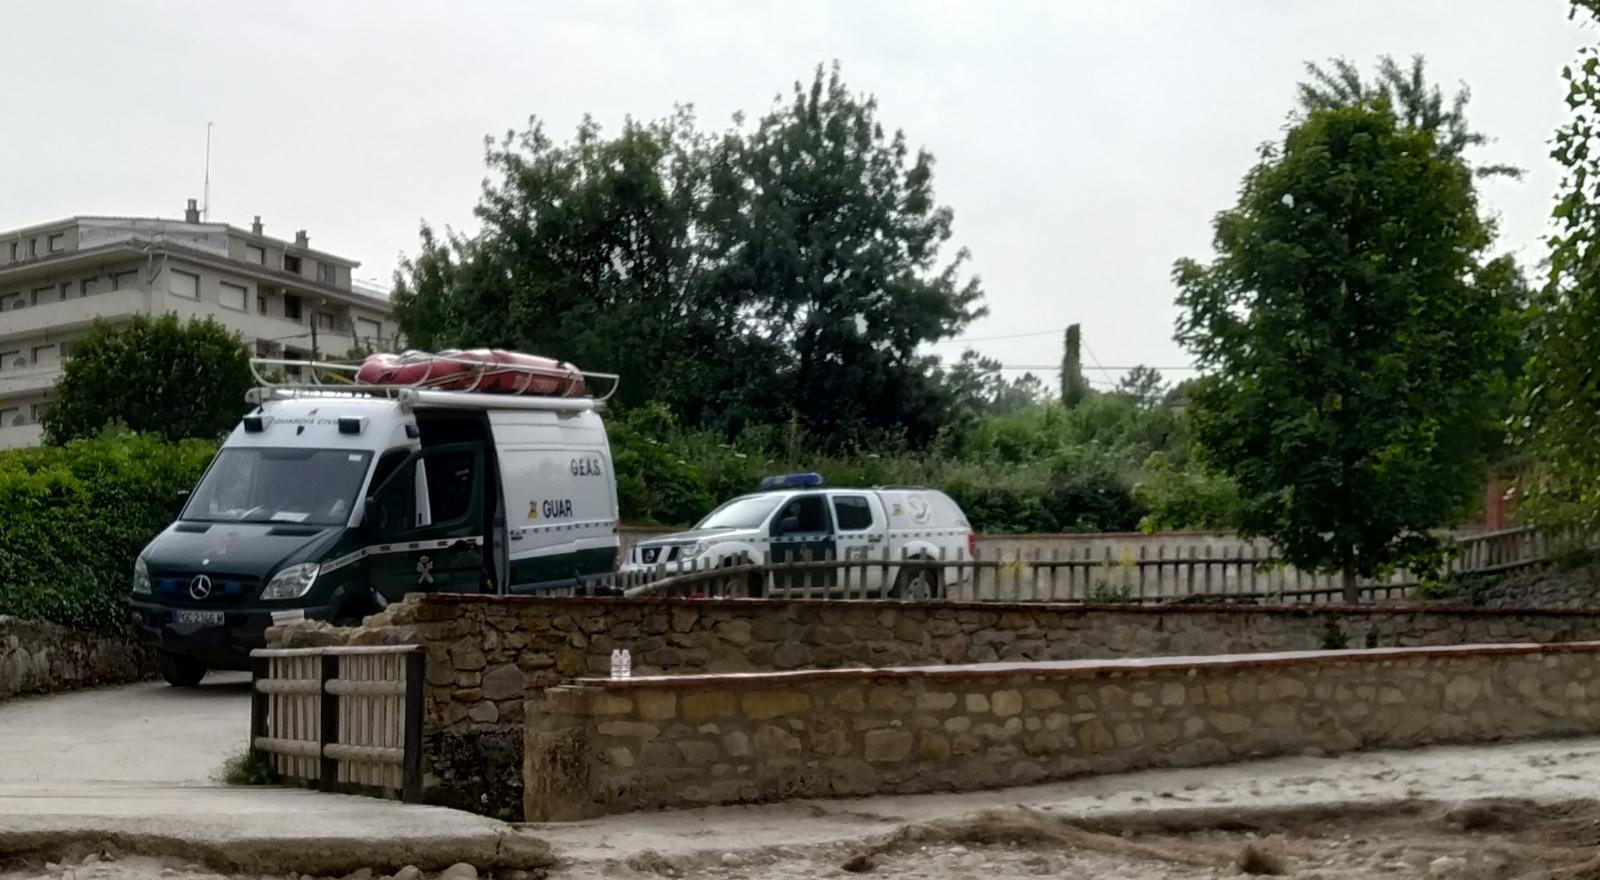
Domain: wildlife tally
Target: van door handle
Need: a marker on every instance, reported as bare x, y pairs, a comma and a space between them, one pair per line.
516, 536
874, 539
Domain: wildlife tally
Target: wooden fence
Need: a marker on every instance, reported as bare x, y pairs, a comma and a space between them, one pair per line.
343, 719
1197, 574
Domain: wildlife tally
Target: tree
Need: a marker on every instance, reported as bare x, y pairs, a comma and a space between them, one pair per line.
977, 384
1352, 350
1073, 386
1407, 92
584, 255
154, 375
786, 272
1560, 399
1144, 385
826, 241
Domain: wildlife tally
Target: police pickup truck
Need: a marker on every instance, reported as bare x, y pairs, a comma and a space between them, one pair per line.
794, 518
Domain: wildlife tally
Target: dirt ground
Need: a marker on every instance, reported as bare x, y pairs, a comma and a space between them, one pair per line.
1489, 841
1497, 840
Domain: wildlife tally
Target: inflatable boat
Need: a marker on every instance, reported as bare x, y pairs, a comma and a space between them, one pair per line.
480, 369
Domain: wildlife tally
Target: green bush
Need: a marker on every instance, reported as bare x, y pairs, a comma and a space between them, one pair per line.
77, 515
1020, 472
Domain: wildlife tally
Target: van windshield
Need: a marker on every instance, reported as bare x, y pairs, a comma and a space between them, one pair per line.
257, 484
741, 513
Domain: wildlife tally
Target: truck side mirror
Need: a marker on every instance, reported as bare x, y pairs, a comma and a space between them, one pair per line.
788, 525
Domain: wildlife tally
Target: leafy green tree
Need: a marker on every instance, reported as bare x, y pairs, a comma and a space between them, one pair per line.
787, 271
1352, 350
584, 255
826, 237
978, 384
153, 375
1406, 91
1560, 399
1144, 386
1074, 387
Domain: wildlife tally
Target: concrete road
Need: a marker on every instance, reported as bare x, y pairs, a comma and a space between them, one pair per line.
136, 769
147, 733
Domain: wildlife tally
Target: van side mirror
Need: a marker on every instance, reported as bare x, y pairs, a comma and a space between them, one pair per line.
788, 525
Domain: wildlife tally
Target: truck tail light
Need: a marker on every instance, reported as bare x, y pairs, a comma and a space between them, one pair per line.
972, 545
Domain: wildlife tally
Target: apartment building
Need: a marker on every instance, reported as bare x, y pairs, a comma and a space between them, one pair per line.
56, 279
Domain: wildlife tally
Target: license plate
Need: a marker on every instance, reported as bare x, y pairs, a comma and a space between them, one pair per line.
207, 618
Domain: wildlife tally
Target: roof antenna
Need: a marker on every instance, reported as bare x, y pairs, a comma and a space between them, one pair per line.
205, 208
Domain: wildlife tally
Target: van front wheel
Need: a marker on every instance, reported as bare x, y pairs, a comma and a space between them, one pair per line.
180, 671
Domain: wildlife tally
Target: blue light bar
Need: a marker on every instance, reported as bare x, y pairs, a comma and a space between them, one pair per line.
791, 481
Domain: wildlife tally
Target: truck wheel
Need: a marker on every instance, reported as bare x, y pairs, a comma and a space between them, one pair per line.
917, 584
180, 671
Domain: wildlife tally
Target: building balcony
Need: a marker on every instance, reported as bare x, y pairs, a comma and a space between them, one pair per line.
21, 437
27, 380
72, 314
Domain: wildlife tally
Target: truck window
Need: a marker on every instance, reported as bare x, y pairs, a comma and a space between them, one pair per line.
853, 513
450, 481
809, 511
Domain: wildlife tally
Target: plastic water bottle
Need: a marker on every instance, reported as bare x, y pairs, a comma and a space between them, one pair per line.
616, 663
627, 664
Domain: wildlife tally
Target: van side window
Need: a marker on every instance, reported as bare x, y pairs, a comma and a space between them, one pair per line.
852, 512
450, 482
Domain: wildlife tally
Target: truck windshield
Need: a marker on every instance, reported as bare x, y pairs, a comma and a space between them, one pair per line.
741, 513
257, 484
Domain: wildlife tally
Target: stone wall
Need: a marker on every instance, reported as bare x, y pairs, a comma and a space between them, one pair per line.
40, 658
481, 647
602, 746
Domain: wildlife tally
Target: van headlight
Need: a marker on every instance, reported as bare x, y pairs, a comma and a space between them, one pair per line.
292, 582
141, 577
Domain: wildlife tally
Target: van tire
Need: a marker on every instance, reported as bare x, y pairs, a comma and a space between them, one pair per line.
181, 671
917, 584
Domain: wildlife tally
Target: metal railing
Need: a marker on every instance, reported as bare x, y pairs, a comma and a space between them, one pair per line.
1076, 575
345, 719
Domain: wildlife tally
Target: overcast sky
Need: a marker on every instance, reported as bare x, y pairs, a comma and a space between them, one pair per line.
1083, 146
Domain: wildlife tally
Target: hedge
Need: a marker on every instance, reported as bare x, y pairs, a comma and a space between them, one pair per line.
76, 516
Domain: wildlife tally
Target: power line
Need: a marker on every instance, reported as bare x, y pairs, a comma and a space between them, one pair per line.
1096, 360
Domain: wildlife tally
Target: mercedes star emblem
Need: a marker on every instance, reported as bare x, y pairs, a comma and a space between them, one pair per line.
200, 587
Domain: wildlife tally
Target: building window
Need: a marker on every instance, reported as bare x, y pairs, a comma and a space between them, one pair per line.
42, 295
12, 417
291, 263
88, 286
33, 248
325, 273
261, 304
12, 360
125, 280
369, 332
13, 301
45, 355
66, 290
183, 284
14, 246
325, 320
58, 242
255, 254
233, 296
38, 411
291, 307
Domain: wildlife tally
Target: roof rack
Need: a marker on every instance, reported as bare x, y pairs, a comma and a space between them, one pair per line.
321, 377
894, 488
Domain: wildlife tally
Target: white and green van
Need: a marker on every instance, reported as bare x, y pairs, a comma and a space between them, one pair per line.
329, 502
